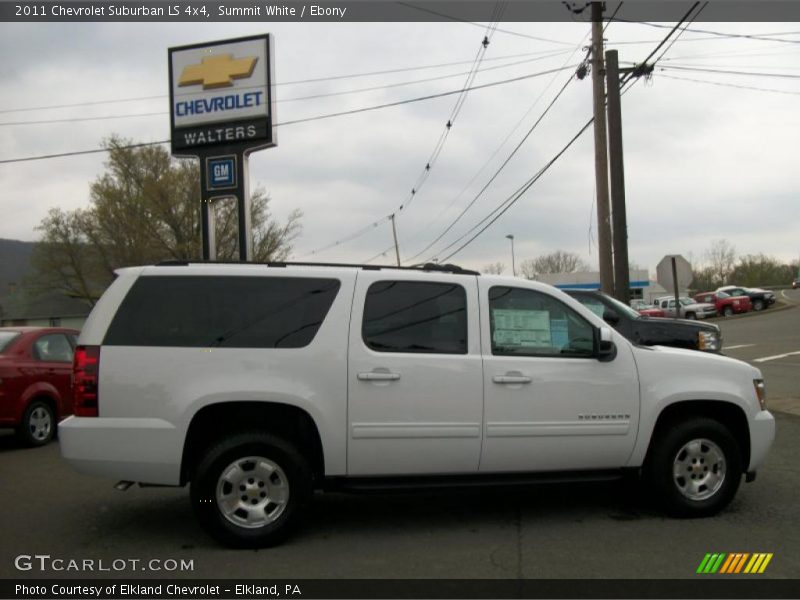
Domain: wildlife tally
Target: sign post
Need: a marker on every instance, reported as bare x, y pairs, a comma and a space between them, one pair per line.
674, 273
222, 108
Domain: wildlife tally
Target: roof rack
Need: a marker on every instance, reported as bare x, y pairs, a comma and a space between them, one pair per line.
446, 268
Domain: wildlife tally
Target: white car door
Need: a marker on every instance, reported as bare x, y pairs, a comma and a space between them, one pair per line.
415, 384
550, 403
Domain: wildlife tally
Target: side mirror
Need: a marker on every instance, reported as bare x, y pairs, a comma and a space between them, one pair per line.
606, 348
610, 317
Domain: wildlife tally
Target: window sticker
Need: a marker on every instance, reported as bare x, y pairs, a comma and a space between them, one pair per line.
559, 332
522, 328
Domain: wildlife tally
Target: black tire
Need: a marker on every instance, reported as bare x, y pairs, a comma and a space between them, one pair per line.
727, 311
293, 475
691, 316
38, 424
667, 448
758, 305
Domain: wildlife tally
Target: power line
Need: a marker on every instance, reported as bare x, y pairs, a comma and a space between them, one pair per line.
314, 118
330, 94
729, 72
296, 82
491, 158
458, 20
731, 85
722, 34
497, 11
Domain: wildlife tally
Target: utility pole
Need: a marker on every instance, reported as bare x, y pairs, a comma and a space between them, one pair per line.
396, 246
600, 152
619, 217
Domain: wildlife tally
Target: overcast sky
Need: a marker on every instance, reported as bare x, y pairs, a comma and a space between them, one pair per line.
702, 162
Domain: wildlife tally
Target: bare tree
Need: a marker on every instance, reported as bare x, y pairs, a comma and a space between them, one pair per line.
145, 208
555, 262
721, 257
494, 268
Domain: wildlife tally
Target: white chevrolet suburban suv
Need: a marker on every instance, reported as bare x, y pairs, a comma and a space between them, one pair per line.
258, 384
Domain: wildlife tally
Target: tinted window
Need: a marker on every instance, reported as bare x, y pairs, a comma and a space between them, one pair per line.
529, 323
53, 348
228, 312
6, 337
410, 316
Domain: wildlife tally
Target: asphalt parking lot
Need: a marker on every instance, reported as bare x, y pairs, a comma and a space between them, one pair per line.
603, 530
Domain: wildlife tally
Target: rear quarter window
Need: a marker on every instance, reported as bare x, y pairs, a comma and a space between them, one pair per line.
226, 312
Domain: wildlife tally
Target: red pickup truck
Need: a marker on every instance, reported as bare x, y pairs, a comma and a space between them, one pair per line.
725, 303
35, 380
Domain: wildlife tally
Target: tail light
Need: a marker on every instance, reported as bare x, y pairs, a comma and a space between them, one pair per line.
85, 375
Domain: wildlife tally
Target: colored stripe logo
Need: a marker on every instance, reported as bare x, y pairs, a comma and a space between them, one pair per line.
734, 563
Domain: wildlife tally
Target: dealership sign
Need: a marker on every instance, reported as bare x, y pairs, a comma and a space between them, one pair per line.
221, 94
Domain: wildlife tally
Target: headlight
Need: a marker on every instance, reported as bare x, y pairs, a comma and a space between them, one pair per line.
708, 340
761, 392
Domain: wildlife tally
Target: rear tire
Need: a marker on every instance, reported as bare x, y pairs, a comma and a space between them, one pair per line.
249, 488
758, 305
38, 424
695, 468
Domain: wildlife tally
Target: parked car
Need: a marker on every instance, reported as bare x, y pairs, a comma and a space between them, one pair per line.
257, 384
689, 309
641, 329
648, 310
35, 371
760, 299
795, 282
725, 304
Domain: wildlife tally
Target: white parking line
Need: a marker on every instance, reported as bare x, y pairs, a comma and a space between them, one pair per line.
776, 357
739, 346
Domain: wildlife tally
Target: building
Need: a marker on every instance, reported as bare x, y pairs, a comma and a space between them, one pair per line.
642, 288
48, 309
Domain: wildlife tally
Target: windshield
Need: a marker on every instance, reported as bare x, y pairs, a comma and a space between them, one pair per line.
686, 301
6, 337
722, 295
623, 308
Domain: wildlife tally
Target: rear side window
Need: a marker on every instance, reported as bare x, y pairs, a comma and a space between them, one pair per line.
415, 316
6, 337
227, 312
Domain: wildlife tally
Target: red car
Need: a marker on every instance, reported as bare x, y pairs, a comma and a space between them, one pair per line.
647, 310
35, 380
725, 303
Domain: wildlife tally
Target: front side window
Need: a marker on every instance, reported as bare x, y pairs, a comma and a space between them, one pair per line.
415, 316
529, 323
222, 311
52, 348
593, 304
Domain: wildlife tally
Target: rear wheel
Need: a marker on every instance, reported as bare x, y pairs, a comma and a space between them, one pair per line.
38, 424
758, 305
248, 489
695, 468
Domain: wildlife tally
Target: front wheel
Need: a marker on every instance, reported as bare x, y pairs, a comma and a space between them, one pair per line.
727, 311
695, 468
691, 316
249, 488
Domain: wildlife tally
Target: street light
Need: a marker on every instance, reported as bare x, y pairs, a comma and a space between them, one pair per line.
513, 268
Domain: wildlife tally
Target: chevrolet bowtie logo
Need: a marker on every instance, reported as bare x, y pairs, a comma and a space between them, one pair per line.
217, 71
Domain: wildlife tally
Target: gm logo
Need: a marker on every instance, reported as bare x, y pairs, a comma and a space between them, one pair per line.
221, 172
735, 563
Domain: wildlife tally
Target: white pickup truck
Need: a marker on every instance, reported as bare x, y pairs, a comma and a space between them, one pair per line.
258, 384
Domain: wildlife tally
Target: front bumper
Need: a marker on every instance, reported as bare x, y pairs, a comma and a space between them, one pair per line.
762, 434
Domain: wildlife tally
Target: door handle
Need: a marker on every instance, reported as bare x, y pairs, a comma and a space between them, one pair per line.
378, 376
511, 379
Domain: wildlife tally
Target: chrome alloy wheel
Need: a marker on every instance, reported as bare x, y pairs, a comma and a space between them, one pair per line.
252, 492
40, 423
699, 469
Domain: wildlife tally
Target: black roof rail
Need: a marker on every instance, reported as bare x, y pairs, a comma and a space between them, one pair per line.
446, 268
